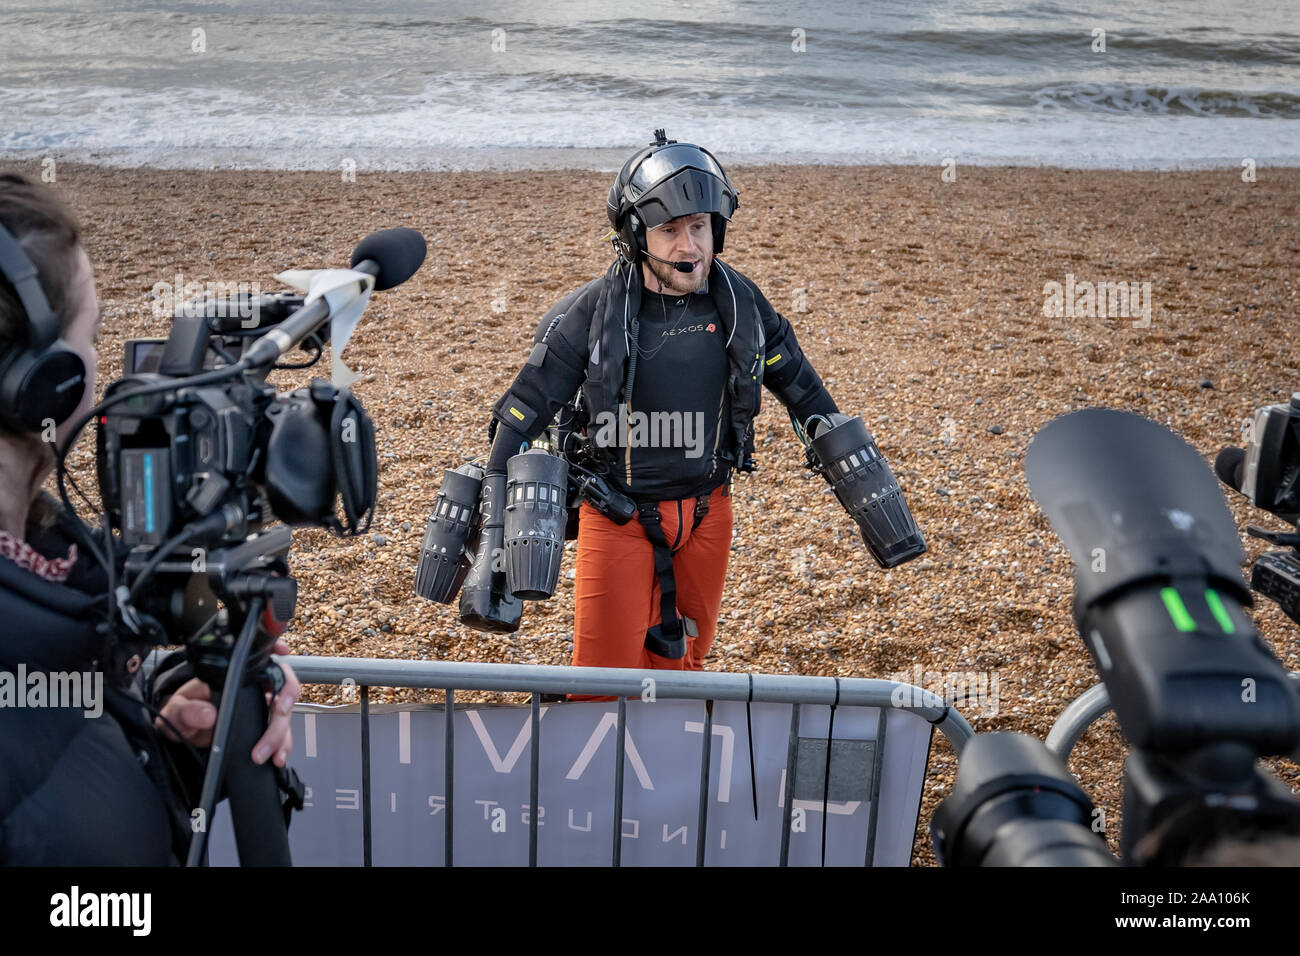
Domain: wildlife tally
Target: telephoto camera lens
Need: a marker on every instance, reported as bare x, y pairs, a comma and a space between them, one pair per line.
1015, 803
867, 489
536, 518
444, 553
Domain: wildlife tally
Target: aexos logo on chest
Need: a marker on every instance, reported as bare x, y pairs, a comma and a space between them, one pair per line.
690, 328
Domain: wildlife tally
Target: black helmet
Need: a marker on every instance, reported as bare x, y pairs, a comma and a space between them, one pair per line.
661, 182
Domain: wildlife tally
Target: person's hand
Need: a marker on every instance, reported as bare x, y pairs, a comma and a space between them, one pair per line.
192, 712
277, 742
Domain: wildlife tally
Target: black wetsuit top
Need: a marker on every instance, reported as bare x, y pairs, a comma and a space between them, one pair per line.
680, 398
682, 372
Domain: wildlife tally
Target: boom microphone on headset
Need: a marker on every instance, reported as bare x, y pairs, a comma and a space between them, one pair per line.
680, 265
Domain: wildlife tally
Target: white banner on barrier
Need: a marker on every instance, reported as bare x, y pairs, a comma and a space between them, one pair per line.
661, 786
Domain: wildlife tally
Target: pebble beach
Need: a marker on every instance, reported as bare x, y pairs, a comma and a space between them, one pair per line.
921, 302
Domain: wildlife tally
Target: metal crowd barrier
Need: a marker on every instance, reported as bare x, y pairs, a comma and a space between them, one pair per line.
706, 686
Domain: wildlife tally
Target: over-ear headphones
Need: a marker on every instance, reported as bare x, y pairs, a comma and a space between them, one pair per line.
624, 195
44, 380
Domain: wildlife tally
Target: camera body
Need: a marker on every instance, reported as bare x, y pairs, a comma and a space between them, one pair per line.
215, 462
1159, 603
166, 459
1269, 476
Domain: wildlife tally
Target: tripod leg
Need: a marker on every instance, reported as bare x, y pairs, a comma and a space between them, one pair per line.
260, 834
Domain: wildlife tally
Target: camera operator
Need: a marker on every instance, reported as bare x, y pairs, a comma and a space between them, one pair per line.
110, 782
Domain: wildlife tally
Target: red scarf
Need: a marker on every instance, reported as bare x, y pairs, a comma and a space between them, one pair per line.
25, 556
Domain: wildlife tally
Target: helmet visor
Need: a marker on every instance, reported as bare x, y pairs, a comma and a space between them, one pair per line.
681, 180
662, 163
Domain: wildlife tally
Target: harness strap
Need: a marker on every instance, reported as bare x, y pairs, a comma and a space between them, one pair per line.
665, 638
701, 509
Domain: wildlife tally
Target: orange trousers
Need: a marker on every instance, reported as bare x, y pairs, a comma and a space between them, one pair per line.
617, 592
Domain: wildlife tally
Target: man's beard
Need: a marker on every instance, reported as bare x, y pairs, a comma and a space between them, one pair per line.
681, 283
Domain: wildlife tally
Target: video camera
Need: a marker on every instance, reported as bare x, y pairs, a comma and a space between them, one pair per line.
1268, 473
195, 449
197, 456
1158, 602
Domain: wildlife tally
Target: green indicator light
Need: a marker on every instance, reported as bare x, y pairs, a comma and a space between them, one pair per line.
1219, 611
1177, 610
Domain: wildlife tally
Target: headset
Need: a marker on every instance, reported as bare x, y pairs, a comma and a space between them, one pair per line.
45, 379
626, 194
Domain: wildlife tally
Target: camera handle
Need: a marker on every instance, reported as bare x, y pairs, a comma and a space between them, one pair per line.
260, 833
1283, 539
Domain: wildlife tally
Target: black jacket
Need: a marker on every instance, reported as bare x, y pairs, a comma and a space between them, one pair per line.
582, 342
78, 790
